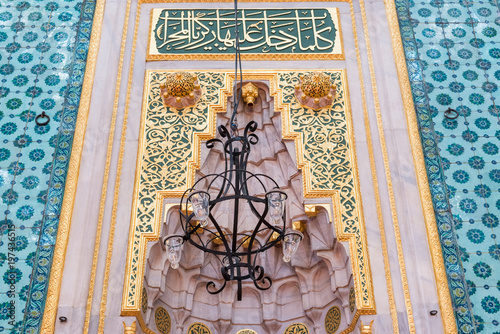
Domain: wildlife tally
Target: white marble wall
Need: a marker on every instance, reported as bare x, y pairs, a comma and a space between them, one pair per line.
77, 270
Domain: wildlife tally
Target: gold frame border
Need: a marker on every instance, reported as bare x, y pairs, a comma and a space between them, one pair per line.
274, 56
246, 56
376, 189
443, 292
388, 177
353, 323
55, 281
109, 253
104, 188
205, 1
283, 108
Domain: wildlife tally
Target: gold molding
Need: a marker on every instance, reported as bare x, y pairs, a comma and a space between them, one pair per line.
208, 1
443, 292
387, 269
142, 323
102, 310
353, 323
246, 331
392, 201
268, 56
246, 56
55, 281
105, 181
296, 327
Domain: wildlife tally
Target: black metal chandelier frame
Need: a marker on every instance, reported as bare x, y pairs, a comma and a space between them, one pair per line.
238, 263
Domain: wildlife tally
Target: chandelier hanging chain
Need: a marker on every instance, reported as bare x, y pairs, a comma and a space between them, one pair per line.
237, 65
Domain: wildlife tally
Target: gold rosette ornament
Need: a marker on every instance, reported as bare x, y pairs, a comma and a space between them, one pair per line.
180, 90
315, 90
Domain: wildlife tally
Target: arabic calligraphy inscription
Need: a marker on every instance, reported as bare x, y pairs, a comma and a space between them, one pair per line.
261, 31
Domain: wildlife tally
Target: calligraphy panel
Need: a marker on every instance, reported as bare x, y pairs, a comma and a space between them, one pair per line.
263, 34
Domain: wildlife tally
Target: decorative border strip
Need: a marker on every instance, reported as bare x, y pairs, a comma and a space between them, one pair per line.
105, 181
267, 56
109, 251
353, 323
392, 200
76, 109
428, 167
376, 188
208, 1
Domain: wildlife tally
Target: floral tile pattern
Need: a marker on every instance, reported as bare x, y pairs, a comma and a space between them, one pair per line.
452, 49
43, 51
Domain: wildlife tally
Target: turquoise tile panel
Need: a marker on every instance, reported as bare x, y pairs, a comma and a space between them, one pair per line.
43, 50
457, 67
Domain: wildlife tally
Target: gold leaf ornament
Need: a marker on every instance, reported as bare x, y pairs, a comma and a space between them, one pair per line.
332, 320
162, 320
296, 328
315, 90
180, 90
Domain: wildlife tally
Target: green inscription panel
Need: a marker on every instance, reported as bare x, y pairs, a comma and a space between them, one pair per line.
263, 33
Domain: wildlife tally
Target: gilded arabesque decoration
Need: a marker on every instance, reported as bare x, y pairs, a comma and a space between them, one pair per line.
327, 159
168, 143
169, 155
296, 328
144, 300
352, 299
332, 320
63, 231
198, 328
162, 320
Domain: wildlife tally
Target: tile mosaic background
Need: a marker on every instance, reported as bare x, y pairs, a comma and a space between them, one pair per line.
43, 50
452, 49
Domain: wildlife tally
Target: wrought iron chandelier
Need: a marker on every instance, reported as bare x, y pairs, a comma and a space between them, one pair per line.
236, 249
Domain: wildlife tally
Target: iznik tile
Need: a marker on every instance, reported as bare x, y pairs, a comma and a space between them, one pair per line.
37, 66
459, 60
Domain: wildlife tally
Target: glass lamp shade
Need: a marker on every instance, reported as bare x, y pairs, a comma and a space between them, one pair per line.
290, 243
174, 250
225, 260
276, 204
199, 201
